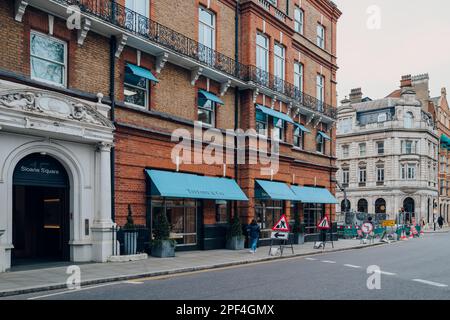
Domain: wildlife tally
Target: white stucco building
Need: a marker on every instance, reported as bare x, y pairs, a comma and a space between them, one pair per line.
388, 155
55, 179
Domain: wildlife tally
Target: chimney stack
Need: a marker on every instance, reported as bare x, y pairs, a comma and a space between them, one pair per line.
444, 92
406, 81
356, 95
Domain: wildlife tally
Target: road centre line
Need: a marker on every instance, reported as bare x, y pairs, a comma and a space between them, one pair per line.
431, 283
352, 266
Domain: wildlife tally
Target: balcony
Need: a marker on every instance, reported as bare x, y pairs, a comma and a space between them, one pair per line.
110, 18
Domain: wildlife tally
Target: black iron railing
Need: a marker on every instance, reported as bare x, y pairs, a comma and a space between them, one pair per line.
133, 22
130, 241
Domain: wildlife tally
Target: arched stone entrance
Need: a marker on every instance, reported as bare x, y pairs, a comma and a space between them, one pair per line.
41, 203
410, 208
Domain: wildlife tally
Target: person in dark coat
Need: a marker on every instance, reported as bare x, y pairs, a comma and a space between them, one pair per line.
440, 221
253, 230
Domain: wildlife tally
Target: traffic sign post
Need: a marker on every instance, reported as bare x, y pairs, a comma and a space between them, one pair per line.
324, 225
281, 233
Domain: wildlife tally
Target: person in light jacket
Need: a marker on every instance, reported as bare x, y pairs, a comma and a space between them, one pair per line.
253, 230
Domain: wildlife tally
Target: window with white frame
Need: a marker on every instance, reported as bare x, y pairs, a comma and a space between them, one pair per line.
362, 149
298, 137
278, 129
140, 6
279, 65
362, 173
380, 172
345, 151
135, 89
261, 122
408, 171
206, 110
321, 36
48, 58
409, 147
207, 35
299, 16
262, 57
380, 147
298, 76
320, 143
320, 91
345, 176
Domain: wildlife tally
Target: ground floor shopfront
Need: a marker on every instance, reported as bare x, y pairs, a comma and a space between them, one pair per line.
54, 178
200, 200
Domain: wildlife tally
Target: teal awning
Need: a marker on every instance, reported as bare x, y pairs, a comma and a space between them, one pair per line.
274, 113
313, 195
302, 127
191, 186
211, 96
324, 135
141, 72
445, 141
273, 190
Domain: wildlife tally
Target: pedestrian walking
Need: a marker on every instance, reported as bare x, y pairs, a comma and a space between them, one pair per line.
253, 230
440, 222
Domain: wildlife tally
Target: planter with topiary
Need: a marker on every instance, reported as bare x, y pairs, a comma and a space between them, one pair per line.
130, 236
162, 245
298, 230
235, 236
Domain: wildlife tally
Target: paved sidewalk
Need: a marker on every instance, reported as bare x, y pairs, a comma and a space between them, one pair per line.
21, 281
438, 230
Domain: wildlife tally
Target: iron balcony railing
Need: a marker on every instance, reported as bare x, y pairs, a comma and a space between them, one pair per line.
133, 22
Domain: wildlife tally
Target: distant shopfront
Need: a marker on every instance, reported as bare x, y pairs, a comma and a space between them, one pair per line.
198, 208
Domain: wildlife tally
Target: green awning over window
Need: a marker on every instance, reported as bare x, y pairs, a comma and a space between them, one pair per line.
445, 141
273, 190
324, 135
191, 186
274, 113
141, 72
211, 96
302, 127
313, 195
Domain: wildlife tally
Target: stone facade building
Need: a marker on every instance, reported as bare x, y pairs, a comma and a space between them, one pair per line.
94, 89
388, 154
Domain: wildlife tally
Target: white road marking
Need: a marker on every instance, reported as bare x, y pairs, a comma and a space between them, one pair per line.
328, 261
132, 282
73, 291
385, 273
352, 266
431, 283
311, 259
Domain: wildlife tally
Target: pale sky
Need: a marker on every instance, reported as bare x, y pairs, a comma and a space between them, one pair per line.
414, 38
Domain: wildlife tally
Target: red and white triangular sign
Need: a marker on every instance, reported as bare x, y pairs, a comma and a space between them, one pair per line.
324, 224
282, 225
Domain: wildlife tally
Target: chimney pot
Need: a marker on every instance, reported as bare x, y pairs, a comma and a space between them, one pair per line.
406, 81
356, 95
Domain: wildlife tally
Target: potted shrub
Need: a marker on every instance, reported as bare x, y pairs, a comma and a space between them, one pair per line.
235, 236
162, 245
298, 230
130, 235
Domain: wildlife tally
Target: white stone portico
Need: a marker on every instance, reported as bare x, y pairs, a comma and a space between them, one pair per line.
77, 134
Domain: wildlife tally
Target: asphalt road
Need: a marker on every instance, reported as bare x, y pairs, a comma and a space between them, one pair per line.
417, 269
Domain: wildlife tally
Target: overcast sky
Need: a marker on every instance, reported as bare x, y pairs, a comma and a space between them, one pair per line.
413, 38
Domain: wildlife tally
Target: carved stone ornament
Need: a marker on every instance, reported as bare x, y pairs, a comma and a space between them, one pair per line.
53, 105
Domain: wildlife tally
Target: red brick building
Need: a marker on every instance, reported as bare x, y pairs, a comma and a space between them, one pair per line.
268, 65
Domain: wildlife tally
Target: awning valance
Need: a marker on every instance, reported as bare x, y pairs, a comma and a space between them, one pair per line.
191, 186
273, 190
313, 195
141, 72
211, 96
274, 113
324, 135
